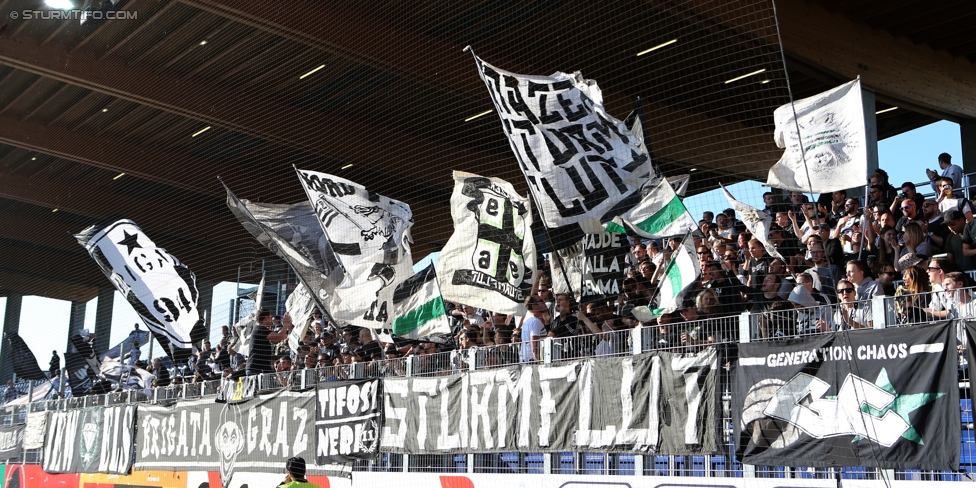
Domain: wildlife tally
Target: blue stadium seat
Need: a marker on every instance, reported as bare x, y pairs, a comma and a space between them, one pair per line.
535, 463
593, 463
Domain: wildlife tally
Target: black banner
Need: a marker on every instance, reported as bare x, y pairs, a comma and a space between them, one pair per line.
348, 417
90, 440
11, 442
604, 265
876, 398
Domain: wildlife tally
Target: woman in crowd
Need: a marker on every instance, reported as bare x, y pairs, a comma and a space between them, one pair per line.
916, 248
912, 296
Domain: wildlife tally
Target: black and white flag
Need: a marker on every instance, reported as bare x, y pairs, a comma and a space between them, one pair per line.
90, 440
348, 418
11, 442
22, 359
604, 263
161, 289
293, 233
880, 398
489, 261
371, 235
583, 165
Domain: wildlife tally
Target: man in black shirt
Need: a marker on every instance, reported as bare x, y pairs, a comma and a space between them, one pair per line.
262, 340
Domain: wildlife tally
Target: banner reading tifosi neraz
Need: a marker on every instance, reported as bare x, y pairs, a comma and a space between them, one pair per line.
254, 436
655, 402
90, 440
880, 398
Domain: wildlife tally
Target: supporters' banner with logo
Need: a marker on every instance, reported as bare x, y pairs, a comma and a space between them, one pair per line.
11, 442
293, 233
582, 165
161, 289
830, 152
348, 417
660, 213
237, 390
657, 403
35, 429
489, 261
604, 257
567, 269
371, 235
233, 439
22, 359
90, 440
757, 221
879, 398
419, 306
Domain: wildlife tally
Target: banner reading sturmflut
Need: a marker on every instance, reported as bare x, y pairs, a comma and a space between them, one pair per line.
90, 440
830, 152
582, 164
880, 398
161, 289
255, 436
656, 402
371, 235
348, 417
489, 261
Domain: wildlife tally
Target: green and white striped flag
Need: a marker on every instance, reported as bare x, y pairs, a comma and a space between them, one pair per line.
659, 214
680, 272
419, 307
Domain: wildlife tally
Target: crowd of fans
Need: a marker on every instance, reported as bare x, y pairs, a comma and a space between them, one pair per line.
837, 255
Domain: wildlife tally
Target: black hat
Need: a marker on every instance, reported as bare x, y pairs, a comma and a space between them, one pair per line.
952, 215
296, 467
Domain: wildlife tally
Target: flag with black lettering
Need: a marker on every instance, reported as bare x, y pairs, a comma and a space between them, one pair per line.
886, 398
582, 165
370, 233
419, 306
23, 360
489, 261
161, 289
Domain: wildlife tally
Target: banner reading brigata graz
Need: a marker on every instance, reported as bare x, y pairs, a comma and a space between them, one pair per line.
253, 436
654, 402
880, 398
90, 440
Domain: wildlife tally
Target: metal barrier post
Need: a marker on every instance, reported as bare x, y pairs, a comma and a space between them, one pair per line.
879, 313
636, 340
547, 350
745, 327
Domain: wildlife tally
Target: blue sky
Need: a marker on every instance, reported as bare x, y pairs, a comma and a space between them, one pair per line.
904, 157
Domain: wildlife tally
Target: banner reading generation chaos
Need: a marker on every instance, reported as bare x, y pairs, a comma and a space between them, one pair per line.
878, 398
655, 402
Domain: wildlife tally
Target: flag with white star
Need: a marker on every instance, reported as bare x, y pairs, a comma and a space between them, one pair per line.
161, 289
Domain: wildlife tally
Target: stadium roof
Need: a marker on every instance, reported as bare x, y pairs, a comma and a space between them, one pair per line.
138, 116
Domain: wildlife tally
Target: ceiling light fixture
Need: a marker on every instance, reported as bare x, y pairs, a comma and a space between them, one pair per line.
201, 131
659, 46
347, 166
692, 169
105, 110
482, 114
879, 112
59, 4
203, 42
764, 82
54, 210
746, 75
34, 158
118, 176
310, 72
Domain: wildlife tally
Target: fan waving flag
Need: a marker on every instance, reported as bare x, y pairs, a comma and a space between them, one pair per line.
419, 307
659, 214
161, 289
679, 274
489, 261
370, 233
582, 165
830, 151
757, 221
23, 360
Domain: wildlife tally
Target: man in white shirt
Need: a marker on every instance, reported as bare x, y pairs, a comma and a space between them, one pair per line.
867, 288
949, 170
533, 329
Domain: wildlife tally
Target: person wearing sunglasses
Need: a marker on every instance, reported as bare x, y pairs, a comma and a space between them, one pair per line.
939, 304
847, 314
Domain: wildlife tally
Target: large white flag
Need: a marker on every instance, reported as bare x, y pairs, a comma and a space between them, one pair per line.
489, 261
680, 272
371, 235
161, 289
831, 145
757, 221
659, 214
582, 164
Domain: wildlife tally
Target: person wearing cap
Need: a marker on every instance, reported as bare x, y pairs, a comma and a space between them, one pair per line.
295, 474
